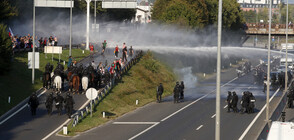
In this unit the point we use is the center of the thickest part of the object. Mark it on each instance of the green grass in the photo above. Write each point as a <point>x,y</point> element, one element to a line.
<point>139,83</point>
<point>17,83</point>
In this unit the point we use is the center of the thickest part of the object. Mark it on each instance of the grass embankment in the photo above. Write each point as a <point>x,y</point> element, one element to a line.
<point>17,83</point>
<point>139,83</point>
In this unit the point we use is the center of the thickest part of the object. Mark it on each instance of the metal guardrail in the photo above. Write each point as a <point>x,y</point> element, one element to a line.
<point>80,114</point>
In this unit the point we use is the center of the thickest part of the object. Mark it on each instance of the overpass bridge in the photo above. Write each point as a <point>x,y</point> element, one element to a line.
<point>263,29</point>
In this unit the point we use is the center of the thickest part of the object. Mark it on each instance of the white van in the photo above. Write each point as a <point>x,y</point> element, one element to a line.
<point>283,62</point>
<point>281,131</point>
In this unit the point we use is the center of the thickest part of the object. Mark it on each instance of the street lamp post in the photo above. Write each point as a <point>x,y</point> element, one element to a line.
<point>95,16</point>
<point>88,22</point>
<point>70,26</point>
<point>286,67</point>
<point>219,33</point>
<point>268,62</point>
<point>33,55</point>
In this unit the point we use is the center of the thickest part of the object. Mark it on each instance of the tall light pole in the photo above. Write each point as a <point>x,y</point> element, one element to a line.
<point>33,55</point>
<point>88,22</point>
<point>286,67</point>
<point>70,26</point>
<point>217,106</point>
<point>268,61</point>
<point>95,15</point>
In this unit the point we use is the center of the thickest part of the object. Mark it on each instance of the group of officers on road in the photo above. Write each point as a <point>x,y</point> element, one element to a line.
<point>59,100</point>
<point>247,102</point>
<point>178,92</point>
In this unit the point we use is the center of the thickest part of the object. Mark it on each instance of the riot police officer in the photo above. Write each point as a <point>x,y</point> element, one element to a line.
<point>235,102</point>
<point>69,102</point>
<point>182,87</point>
<point>59,103</point>
<point>49,103</point>
<point>159,92</point>
<point>251,104</point>
<point>176,92</point>
<point>34,103</point>
<point>229,100</point>
<point>290,96</point>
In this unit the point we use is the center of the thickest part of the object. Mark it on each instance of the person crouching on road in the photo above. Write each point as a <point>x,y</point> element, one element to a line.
<point>49,103</point>
<point>59,103</point>
<point>176,93</point>
<point>159,92</point>
<point>34,103</point>
<point>229,101</point>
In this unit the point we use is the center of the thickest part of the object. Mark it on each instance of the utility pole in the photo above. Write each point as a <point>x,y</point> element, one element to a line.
<point>33,55</point>
<point>219,33</point>
<point>268,62</point>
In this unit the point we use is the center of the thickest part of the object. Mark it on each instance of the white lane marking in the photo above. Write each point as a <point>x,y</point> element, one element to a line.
<point>58,128</point>
<point>226,106</point>
<point>19,109</point>
<point>135,122</point>
<point>213,116</point>
<point>143,131</point>
<point>257,116</point>
<point>249,87</point>
<point>183,108</point>
<point>199,127</point>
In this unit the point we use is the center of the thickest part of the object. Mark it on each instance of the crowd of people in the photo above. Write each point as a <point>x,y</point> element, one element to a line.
<point>21,42</point>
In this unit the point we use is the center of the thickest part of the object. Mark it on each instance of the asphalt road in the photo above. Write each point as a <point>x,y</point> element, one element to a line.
<point>194,118</point>
<point>24,126</point>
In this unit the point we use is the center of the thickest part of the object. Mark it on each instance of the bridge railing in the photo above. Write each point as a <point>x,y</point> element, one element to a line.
<point>82,113</point>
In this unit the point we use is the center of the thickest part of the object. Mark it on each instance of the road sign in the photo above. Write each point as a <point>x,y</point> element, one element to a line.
<point>53,49</point>
<point>54,3</point>
<point>30,54</point>
<point>91,93</point>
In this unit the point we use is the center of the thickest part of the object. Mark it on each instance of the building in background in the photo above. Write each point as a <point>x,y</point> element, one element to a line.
<point>143,12</point>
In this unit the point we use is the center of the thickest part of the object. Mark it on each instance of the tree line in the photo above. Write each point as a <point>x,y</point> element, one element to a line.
<point>198,14</point>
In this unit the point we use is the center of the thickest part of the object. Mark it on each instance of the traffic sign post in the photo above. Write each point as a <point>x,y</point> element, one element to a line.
<point>91,94</point>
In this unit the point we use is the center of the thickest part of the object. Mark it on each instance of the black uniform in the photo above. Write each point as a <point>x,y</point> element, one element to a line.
<point>176,93</point>
<point>244,102</point>
<point>182,87</point>
<point>235,102</point>
<point>159,92</point>
<point>34,103</point>
<point>251,103</point>
<point>229,101</point>
<point>290,98</point>
<point>59,103</point>
<point>69,102</point>
<point>49,103</point>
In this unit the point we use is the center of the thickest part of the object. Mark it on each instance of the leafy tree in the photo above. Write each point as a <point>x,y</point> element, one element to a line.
<point>6,10</point>
<point>197,13</point>
<point>5,49</point>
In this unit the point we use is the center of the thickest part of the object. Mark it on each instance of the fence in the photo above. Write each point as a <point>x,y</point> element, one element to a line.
<point>80,114</point>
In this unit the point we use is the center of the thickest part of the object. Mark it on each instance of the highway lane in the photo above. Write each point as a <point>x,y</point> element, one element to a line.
<point>23,125</point>
<point>195,121</point>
